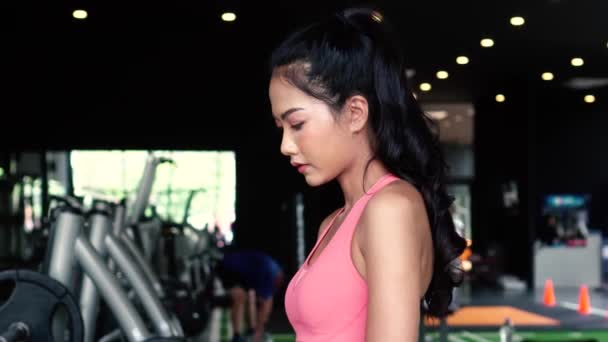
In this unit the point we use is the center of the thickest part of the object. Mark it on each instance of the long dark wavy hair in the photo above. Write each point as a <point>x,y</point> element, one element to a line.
<point>354,52</point>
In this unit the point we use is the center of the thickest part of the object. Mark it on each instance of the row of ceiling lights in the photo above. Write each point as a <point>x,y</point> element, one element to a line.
<point>82,14</point>
<point>500,98</point>
<point>486,42</point>
<point>489,42</point>
<point>441,74</point>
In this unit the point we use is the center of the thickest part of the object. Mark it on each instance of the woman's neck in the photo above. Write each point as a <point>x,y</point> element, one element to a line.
<point>356,181</point>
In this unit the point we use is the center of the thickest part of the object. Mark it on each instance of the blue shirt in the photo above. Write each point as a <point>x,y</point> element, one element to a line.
<point>256,269</point>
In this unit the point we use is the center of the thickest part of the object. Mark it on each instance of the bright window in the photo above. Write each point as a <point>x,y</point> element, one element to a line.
<point>116,174</point>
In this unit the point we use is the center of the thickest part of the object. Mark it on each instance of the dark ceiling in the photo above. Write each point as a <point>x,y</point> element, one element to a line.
<point>143,68</point>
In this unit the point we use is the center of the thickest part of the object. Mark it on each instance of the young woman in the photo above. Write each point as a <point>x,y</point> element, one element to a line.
<point>339,94</point>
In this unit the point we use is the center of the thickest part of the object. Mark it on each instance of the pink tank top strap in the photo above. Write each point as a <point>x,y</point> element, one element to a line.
<point>322,237</point>
<point>353,217</point>
<point>355,214</point>
<point>380,183</point>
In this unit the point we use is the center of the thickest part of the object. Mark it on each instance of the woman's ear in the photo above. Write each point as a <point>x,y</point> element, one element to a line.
<point>357,111</point>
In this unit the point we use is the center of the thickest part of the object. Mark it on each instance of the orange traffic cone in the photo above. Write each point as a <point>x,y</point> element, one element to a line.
<point>549,295</point>
<point>584,303</point>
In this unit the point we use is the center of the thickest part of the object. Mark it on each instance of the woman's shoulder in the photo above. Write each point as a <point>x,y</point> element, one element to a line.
<point>397,199</point>
<point>397,211</point>
<point>398,193</point>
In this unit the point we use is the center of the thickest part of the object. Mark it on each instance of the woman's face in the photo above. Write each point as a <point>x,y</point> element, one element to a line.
<point>318,144</point>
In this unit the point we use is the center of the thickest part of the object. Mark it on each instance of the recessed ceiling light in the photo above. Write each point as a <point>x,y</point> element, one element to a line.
<point>462,60</point>
<point>547,76</point>
<point>589,98</point>
<point>487,42</point>
<point>500,98</point>
<point>425,87</point>
<point>377,16</point>
<point>517,21</point>
<point>228,16</point>
<point>577,61</point>
<point>80,14</point>
<point>442,75</point>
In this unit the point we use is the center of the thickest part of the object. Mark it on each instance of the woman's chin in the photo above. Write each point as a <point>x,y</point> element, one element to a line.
<point>314,180</point>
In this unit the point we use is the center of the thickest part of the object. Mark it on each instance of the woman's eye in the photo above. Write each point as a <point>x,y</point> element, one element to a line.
<point>297,127</point>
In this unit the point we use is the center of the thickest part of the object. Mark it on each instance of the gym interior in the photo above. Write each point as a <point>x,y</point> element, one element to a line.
<point>138,147</point>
